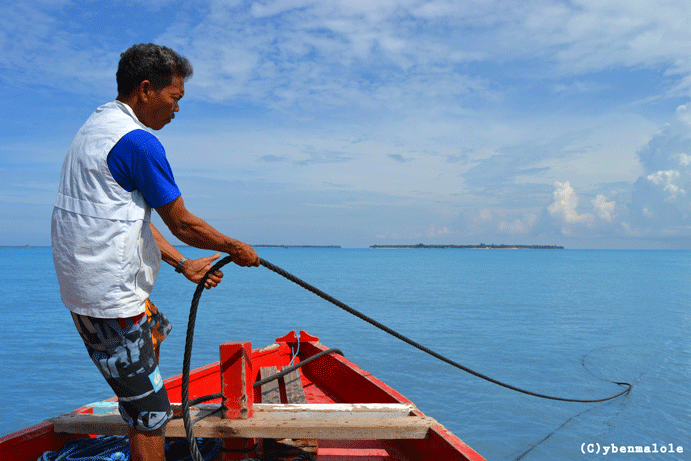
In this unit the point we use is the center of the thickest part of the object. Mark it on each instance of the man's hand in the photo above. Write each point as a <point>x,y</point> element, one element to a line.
<point>243,254</point>
<point>194,270</point>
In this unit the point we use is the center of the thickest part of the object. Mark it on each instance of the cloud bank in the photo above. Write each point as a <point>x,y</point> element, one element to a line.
<point>356,123</point>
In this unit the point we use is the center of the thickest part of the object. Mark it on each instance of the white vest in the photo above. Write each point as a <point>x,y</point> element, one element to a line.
<point>105,254</point>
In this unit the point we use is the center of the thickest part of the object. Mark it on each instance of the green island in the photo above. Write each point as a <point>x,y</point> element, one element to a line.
<point>481,246</point>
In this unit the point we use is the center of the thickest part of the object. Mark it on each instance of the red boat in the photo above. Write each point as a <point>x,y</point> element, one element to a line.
<point>329,410</point>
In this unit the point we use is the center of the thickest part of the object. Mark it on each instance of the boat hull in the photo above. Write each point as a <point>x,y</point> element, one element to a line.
<point>331,379</point>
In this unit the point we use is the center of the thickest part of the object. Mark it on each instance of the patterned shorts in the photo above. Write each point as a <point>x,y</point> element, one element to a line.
<point>123,350</point>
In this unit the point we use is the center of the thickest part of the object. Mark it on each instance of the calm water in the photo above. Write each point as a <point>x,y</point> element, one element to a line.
<point>560,322</point>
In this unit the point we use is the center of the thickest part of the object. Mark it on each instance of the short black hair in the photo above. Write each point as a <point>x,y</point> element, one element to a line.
<point>154,63</point>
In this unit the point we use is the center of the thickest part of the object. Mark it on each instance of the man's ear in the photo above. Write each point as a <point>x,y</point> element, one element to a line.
<point>143,90</point>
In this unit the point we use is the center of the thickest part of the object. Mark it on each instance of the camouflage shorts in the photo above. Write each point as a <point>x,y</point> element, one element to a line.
<point>123,350</point>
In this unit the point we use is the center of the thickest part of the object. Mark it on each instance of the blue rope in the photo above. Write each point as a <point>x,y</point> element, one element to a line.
<point>101,448</point>
<point>295,352</point>
<point>116,448</point>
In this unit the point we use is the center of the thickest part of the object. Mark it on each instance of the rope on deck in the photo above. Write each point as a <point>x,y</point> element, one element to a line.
<point>116,448</point>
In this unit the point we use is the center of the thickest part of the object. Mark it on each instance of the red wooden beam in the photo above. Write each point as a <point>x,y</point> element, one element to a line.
<point>236,379</point>
<point>238,394</point>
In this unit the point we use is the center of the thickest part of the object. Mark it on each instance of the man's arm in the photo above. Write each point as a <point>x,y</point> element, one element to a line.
<point>192,269</point>
<point>198,233</point>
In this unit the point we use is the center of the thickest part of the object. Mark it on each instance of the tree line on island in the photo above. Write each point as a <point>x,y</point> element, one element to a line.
<point>296,246</point>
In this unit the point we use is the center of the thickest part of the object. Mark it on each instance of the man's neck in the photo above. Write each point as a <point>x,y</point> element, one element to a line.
<point>133,103</point>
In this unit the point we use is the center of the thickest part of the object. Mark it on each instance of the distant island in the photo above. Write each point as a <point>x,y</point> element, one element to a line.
<point>481,246</point>
<point>296,246</point>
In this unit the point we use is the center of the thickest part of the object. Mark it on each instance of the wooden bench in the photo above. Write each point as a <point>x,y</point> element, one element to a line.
<point>272,419</point>
<point>305,421</point>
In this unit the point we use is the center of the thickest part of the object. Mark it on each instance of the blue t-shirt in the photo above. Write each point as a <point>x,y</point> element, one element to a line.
<point>138,161</point>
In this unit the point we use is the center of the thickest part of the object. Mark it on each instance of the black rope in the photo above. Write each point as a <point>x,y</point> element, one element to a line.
<point>419,346</point>
<point>527,451</point>
<point>194,450</point>
<point>206,415</point>
<point>302,363</point>
<point>268,379</point>
<point>187,358</point>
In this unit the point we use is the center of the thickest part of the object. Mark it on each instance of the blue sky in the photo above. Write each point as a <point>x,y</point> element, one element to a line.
<point>355,123</point>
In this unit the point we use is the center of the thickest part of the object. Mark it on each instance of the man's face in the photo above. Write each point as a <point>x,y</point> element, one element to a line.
<point>161,106</point>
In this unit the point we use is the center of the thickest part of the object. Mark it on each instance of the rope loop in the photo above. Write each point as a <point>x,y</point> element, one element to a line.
<point>424,349</point>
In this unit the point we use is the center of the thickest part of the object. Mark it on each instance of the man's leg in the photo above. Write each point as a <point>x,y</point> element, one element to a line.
<point>150,445</point>
<point>146,446</point>
<point>123,351</point>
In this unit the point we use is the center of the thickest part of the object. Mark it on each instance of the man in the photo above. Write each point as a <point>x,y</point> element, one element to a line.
<point>106,251</point>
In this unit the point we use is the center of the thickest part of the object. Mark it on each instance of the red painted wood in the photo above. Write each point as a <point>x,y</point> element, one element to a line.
<point>289,338</point>
<point>205,380</point>
<point>237,379</point>
<point>307,338</point>
<point>441,444</point>
<point>31,443</point>
<point>345,381</point>
<point>237,390</point>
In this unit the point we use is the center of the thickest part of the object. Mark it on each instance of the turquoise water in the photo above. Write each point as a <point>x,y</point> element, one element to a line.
<point>559,322</point>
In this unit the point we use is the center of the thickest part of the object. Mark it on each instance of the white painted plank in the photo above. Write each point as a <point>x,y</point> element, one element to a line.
<point>264,425</point>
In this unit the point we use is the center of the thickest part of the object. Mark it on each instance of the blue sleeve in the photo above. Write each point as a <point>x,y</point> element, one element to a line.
<point>138,161</point>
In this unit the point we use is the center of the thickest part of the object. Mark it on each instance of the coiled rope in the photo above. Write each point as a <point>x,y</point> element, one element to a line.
<point>190,334</point>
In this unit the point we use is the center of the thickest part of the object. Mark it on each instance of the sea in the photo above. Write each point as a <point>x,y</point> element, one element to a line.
<point>566,323</point>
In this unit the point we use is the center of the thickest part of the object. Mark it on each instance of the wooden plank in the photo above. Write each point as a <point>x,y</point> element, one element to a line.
<point>372,410</point>
<point>294,390</point>
<point>264,425</point>
<point>363,428</point>
<point>298,410</point>
<point>270,391</point>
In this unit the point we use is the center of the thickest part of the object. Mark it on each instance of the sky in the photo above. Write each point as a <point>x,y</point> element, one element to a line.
<point>385,122</point>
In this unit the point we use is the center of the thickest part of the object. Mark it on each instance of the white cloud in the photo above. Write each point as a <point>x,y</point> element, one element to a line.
<point>629,231</point>
<point>519,226</point>
<point>667,180</point>
<point>295,49</point>
<point>305,54</point>
<point>663,177</point>
<point>604,208</point>
<point>565,204</point>
<point>437,108</point>
<point>659,202</point>
<point>434,232</point>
